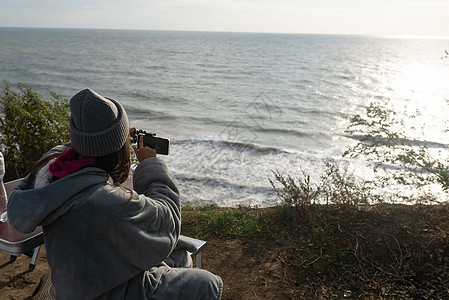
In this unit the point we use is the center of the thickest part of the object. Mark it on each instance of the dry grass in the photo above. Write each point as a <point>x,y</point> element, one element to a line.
<point>370,252</point>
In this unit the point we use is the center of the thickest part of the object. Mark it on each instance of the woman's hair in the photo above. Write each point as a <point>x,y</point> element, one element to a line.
<point>116,164</point>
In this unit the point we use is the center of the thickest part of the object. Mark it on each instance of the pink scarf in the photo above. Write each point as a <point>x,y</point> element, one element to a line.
<point>66,163</point>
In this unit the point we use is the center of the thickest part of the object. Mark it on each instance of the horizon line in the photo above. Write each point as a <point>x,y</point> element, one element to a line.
<point>399,36</point>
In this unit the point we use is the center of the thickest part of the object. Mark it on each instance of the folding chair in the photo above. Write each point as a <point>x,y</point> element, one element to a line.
<point>14,242</point>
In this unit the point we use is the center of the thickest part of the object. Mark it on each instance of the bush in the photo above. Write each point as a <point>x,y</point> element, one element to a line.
<point>413,166</point>
<point>384,138</point>
<point>297,192</point>
<point>29,127</point>
<point>337,186</point>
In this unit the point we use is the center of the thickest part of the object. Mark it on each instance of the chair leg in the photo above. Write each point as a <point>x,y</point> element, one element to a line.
<point>34,257</point>
<point>198,260</point>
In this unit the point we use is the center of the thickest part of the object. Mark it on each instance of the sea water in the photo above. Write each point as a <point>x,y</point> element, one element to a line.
<point>237,106</point>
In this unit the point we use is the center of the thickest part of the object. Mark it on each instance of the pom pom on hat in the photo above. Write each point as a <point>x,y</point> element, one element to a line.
<point>98,125</point>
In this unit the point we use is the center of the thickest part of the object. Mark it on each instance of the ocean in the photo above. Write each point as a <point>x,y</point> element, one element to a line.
<point>238,106</point>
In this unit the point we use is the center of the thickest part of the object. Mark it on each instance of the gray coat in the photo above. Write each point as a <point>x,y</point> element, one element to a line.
<point>106,242</point>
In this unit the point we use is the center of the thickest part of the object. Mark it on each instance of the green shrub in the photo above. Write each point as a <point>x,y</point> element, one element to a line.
<point>298,192</point>
<point>384,138</point>
<point>337,186</point>
<point>29,127</point>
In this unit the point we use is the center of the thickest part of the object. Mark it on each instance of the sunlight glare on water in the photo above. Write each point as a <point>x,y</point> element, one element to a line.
<point>420,84</point>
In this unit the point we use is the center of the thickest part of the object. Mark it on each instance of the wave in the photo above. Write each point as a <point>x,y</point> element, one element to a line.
<point>233,145</point>
<point>138,113</point>
<point>296,133</point>
<point>222,182</point>
<point>400,141</point>
<point>285,131</point>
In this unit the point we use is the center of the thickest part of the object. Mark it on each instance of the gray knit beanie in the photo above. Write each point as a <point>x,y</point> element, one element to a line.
<point>98,125</point>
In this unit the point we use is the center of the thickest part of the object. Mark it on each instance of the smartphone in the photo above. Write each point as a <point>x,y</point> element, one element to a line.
<point>160,144</point>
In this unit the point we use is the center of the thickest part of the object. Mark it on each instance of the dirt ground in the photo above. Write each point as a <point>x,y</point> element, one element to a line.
<point>16,281</point>
<point>247,272</point>
<point>250,269</point>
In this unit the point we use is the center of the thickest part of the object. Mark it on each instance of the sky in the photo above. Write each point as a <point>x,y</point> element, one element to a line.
<point>380,17</point>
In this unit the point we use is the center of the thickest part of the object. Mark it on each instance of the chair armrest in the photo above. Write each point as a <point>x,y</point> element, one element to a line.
<point>200,244</point>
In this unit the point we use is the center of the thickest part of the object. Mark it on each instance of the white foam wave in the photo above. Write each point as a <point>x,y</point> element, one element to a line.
<point>218,172</point>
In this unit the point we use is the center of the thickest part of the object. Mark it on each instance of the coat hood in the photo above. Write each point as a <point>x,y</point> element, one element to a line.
<point>29,208</point>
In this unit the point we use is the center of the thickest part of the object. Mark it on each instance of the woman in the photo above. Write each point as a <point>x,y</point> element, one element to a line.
<point>102,240</point>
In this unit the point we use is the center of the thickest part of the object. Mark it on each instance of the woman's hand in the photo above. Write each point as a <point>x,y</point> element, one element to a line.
<point>142,152</point>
